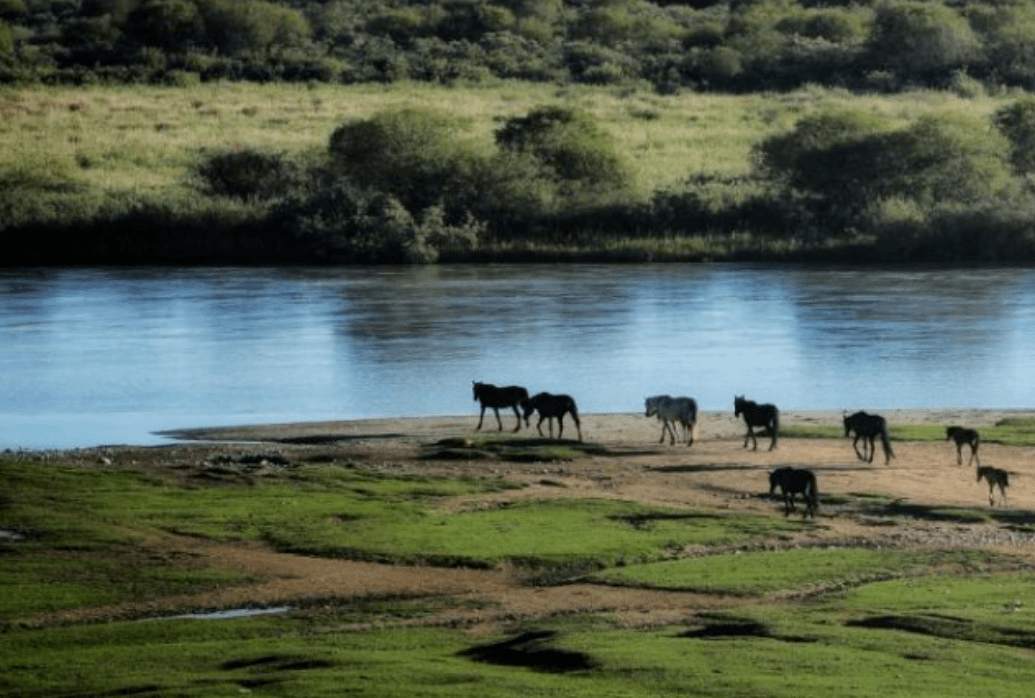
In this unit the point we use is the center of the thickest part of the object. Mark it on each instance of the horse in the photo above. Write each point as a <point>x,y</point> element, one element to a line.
<point>491,396</point>
<point>994,476</point>
<point>792,481</point>
<point>868,427</point>
<point>674,409</point>
<point>962,435</point>
<point>766,416</point>
<point>550,406</point>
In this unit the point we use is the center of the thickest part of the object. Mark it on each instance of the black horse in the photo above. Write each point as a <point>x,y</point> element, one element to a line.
<point>550,406</point>
<point>491,396</point>
<point>994,476</point>
<point>766,416</point>
<point>792,481</point>
<point>962,435</point>
<point>868,427</point>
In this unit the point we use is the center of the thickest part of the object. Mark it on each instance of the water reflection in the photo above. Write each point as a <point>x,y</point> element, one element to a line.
<point>92,356</point>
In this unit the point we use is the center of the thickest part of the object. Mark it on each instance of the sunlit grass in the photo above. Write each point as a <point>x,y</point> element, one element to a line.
<point>148,138</point>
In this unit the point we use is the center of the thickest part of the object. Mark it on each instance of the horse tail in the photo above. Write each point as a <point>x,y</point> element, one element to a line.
<point>813,492</point>
<point>776,422</point>
<point>1006,478</point>
<point>886,442</point>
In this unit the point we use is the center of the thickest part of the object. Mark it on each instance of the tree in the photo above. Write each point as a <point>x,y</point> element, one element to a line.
<point>1017,122</point>
<point>415,155</point>
<point>921,41</point>
<point>846,163</point>
<point>569,147</point>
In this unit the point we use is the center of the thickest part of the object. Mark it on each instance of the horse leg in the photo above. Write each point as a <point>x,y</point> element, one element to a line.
<point>959,453</point>
<point>578,425</point>
<point>560,426</point>
<point>539,426</point>
<point>772,433</point>
<point>480,419</point>
<point>516,414</point>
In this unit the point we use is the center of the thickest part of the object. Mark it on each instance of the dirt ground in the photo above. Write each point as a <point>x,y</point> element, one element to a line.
<point>715,473</point>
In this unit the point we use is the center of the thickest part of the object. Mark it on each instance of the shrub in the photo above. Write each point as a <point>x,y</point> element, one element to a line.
<point>414,155</point>
<point>846,162</point>
<point>571,149</point>
<point>920,41</point>
<point>343,223</point>
<point>248,174</point>
<point>1017,122</point>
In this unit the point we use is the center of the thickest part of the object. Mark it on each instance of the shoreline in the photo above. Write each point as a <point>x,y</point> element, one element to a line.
<point>605,425</point>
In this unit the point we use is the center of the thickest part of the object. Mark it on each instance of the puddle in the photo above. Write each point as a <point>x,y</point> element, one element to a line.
<point>230,613</point>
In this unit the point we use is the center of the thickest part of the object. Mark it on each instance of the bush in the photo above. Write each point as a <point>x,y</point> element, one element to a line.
<point>1017,122</point>
<point>416,156</point>
<point>569,147</point>
<point>248,174</point>
<point>343,223</point>
<point>920,42</point>
<point>844,163</point>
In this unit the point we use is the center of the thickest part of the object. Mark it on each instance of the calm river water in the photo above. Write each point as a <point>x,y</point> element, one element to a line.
<point>103,356</point>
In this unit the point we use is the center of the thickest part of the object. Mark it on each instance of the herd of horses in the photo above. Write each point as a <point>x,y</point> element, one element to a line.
<point>681,412</point>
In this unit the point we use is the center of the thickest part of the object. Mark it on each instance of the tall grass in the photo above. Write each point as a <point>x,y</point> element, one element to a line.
<point>149,138</point>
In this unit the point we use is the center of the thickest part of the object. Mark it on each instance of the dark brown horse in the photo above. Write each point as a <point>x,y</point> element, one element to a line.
<point>549,406</point>
<point>868,427</point>
<point>792,481</point>
<point>963,436</point>
<point>491,396</point>
<point>766,416</point>
<point>995,477</point>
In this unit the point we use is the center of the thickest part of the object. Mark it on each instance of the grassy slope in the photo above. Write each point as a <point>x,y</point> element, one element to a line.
<point>147,138</point>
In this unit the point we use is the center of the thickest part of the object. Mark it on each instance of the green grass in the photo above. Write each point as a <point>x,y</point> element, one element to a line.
<point>143,138</point>
<point>1013,431</point>
<point>781,571</point>
<point>840,622</point>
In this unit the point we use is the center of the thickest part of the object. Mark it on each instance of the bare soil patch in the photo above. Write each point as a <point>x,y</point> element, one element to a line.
<point>715,473</point>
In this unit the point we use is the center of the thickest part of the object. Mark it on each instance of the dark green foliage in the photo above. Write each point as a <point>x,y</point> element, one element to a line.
<point>248,174</point>
<point>845,164</point>
<point>413,155</point>
<point>1017,123</point>
<point>742,45</point>
<point>571,149</point>
<point>920,41</point>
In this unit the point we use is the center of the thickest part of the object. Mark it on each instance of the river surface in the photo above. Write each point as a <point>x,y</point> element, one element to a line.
<point>110,356</point>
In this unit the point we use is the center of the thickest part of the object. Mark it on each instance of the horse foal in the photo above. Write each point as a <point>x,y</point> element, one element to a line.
<point>792,481</point>
<point>963,436</point>
<point>994,476</point>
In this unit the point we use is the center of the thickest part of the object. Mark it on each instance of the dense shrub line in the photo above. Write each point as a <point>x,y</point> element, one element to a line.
<point>698,44</point>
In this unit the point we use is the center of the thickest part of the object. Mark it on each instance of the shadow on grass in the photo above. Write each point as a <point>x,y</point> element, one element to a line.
<point>531,649</point>
<point>722,628</point>
<point>539,450</point>
<point>949,628</point>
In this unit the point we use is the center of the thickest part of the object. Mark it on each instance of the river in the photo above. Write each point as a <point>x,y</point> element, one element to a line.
<point>113,355</point>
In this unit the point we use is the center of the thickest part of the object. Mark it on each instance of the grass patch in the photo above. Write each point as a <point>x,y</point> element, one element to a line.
<point>756,573</point>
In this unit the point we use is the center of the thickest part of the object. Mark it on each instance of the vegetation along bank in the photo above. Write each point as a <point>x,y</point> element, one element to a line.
<point>206,131</point>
